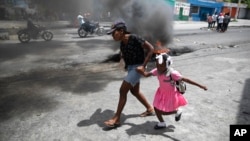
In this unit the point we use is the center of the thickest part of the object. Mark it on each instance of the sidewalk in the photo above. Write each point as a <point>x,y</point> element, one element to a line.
<point>185,25</point>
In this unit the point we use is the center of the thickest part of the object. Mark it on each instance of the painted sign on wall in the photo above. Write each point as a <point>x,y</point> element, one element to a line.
<point>182,5</point>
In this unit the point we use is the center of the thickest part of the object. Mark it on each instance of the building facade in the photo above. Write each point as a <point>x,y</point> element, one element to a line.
<point>201,8</point>
<point>231,9</point>
<point>196,10</point>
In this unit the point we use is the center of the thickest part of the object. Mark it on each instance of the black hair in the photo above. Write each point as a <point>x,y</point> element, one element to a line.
<point>165,58</point>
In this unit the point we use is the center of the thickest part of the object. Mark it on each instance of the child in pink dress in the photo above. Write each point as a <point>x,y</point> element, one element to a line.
<point>167,98</point>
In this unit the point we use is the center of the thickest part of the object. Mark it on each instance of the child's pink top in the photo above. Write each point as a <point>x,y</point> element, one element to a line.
<point>167,98</point>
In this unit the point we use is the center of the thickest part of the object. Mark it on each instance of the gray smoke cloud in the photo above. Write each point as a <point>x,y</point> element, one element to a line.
<point>151,19</point>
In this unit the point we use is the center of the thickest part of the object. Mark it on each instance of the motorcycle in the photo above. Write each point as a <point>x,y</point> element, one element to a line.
<point>90,28</point>
<point>24,35</point>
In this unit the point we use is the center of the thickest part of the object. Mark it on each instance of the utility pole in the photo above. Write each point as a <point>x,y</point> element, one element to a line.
<point>237,11</point>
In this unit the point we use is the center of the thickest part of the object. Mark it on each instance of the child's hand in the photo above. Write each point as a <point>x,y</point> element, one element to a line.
<point>140,69</point>
<point>204,87</point>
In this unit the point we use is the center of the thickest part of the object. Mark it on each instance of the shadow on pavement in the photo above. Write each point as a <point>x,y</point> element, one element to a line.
<point>148,128</point>
<point>244,107</point>
<point>99,116</point>
<point>96,118</point>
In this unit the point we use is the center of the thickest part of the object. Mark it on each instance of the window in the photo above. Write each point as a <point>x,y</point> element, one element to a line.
<point>194,9</point>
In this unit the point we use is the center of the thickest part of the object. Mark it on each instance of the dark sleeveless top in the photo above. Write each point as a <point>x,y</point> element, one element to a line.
<point>133,52</point>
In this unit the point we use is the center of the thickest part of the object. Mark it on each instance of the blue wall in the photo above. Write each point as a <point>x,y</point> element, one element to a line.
<point>205,7</point>
<point>206,3</point>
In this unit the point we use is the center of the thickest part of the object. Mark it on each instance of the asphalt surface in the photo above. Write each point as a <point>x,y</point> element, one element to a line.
<point>71,103</point>
<point>13,26</point>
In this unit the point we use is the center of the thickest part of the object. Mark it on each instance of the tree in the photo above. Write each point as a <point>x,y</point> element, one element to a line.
<point>231,1</point>
<point>247,2</point>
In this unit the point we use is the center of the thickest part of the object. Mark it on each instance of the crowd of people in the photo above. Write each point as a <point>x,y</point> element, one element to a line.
<point>222,20</point>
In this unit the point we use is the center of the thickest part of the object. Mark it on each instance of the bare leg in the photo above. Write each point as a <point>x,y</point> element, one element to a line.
<point>160,113</point>
<point>136,92</point>
<point>122,101</point>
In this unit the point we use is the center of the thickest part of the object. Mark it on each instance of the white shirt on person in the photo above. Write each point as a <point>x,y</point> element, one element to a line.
<point>221,19</point>
<point>214,17</point>
<point>80,19</point>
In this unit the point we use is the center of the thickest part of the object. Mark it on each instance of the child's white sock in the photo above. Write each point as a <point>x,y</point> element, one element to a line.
<point>161,124</point>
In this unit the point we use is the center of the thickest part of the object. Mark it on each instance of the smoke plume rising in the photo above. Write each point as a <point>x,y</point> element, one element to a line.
<point>151,19</point>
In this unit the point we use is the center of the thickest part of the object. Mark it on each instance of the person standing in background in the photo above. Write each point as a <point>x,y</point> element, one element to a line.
<point>214,16</point>
<point>209,21</point>
<point>226,21</point>
<point>220,23</point>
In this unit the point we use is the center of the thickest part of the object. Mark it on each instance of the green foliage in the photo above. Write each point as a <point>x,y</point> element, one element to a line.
<point>247,2</point>
<point>231,1</point>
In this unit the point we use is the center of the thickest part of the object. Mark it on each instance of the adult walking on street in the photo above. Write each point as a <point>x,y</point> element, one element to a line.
<point>132,51</point>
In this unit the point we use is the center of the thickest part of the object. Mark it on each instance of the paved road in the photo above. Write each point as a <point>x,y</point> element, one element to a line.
<point>71,103</point>
<point>60,24</point>
<point>67,100</point>
<point>178,25</point>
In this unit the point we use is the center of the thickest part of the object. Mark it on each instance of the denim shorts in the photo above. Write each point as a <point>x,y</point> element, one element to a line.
<point>133,77</point>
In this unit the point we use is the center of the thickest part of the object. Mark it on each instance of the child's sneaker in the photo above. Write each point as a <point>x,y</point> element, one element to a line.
<point>160,125</point>
<point>178,115</point>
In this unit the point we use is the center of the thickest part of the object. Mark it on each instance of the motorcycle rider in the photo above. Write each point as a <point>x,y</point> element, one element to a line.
<point>80,19</point>
<point>84,21</point>
<point>89,24</point>
<point>32,28</point>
